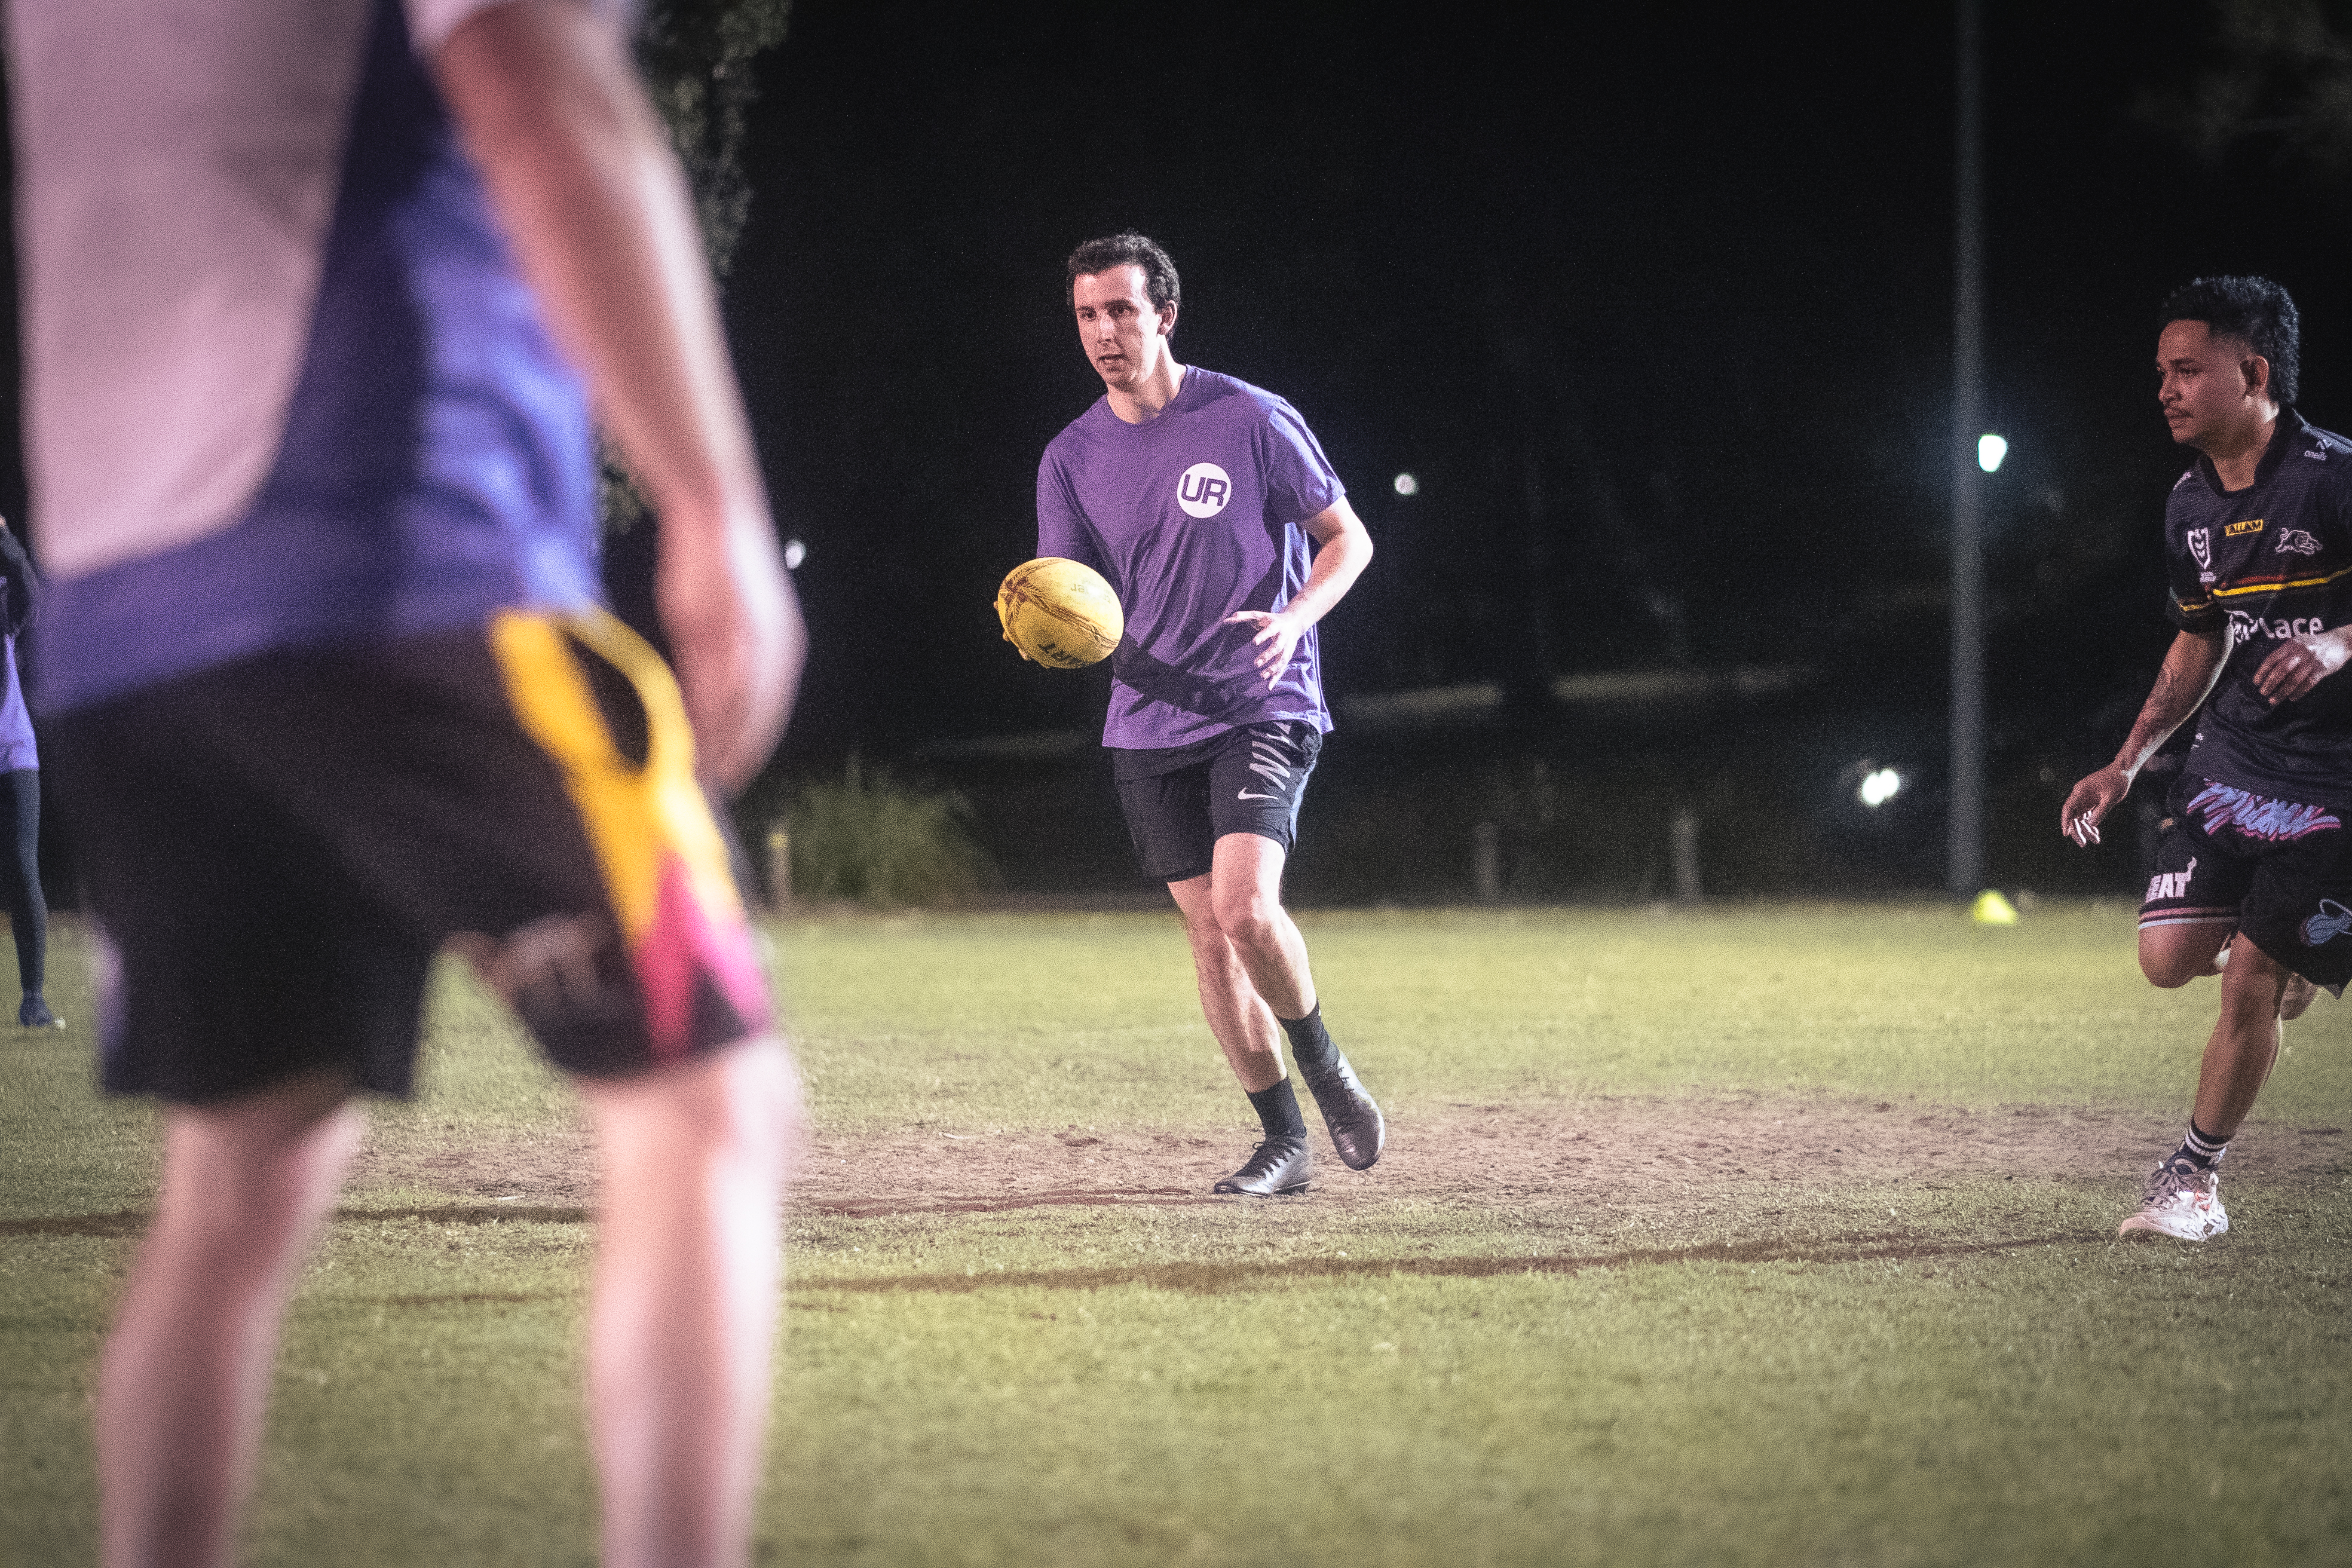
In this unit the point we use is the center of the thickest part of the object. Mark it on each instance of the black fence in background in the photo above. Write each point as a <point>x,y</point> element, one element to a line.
<point>1718,792</point>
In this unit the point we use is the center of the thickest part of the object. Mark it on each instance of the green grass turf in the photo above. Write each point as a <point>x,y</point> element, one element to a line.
<point>1884,1373</point>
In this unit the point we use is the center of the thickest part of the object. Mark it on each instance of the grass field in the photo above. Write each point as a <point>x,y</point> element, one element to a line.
<point>1761,1236</point>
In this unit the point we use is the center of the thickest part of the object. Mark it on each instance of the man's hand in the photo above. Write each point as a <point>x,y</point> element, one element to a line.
<point>2091,800</point>
<point>735,630</point>
<point>2299,664</point>
<point>1276,640</point>
<point>1007,628</point>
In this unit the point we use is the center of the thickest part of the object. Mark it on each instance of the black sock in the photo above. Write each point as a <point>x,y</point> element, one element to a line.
<point>2201,1148</point>
<point>1310,1042</point>
<point>1277,1108</point>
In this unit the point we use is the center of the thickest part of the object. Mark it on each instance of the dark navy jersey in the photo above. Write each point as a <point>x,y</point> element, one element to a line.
<point>2263,564</point>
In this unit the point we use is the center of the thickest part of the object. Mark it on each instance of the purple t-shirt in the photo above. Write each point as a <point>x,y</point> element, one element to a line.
<point>1192,516</point>
<point>17,750</point>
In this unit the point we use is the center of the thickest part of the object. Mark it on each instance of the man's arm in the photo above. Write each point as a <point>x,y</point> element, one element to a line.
<point>2190,666</point>
<point>23,585</point>
<point>1343,548</point>
<point>597,210</point>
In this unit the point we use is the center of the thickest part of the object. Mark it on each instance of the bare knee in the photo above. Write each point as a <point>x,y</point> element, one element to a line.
<point>2254,984</point>
<point>1249,919</point>
<point>2172,956</point>
<point>742,1103</point>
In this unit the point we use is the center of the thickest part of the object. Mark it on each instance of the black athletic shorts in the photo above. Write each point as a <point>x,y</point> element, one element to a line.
<point>275,849</point>
<point>2278,871</point>
<point>1178,803</point>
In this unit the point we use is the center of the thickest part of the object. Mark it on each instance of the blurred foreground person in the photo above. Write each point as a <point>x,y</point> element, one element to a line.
<point>20,813</point>
<point>2254,869</point>
<point>1196,497</point>
<point>318,295</point>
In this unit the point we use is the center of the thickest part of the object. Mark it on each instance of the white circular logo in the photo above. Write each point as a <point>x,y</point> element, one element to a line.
<point>1203,490</point>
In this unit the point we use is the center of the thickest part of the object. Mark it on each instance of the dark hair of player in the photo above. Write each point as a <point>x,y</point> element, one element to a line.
<point>1129,249</point>
<point>2255,310</point>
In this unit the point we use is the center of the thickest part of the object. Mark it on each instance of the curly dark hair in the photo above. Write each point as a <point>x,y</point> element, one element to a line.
<point>2255,310</point>
<point>1128,249</point>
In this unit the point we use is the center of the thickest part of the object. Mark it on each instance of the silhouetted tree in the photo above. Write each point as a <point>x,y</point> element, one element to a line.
<point>698,56</point>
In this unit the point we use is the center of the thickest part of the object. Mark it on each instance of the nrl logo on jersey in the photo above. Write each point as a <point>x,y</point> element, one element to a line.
<point>2200,545</point>
<point>2295,541</point>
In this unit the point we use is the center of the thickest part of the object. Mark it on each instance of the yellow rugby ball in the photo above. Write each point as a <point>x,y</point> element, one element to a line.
<point>1059,612</point>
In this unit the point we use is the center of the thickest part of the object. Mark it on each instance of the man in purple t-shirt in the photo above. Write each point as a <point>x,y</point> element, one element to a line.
<point>1196,494</point>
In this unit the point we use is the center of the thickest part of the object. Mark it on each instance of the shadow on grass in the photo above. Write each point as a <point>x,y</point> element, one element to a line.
<point>1090,1197</point>
<point>1213,1278</point>
<point>133,1222</point>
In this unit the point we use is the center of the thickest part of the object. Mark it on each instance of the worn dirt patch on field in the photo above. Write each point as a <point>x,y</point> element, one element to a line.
<point>555,1165</point>
<point>1633,1153</point>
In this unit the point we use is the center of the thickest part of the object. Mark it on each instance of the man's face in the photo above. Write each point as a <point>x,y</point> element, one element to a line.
<point>1123,332</point>
<point>2210,389</point>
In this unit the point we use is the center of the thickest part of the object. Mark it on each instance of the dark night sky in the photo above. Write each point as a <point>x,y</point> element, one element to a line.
<point>1655,301</point>
<point>1682,272</point>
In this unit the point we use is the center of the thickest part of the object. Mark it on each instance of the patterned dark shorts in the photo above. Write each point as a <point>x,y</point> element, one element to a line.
<point>2277,871</point>
<point>275,849</point>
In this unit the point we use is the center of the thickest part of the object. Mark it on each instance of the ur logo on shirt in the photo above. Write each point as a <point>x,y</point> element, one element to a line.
<point>1203,490</point>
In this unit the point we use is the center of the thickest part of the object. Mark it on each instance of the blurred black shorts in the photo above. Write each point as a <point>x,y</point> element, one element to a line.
<point>2279,871</point>
<point>1248,780</point>
<point>275,849</point>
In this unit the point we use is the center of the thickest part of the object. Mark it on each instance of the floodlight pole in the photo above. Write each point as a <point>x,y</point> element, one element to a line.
<point>1966,823</point>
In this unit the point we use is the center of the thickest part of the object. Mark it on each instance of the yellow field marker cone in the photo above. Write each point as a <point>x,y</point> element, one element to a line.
<point>1991,909</point>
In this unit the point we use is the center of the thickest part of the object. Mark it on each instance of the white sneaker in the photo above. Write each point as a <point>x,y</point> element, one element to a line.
<point>2180,1200</point>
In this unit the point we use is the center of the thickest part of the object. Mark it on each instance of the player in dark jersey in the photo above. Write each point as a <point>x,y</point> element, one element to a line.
<point>1196,494</point>
<point>2254,872</point>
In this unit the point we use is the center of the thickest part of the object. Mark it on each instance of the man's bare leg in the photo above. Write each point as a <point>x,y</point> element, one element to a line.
<point>1238,1017</point>
<point>1246,888</point>
<point>2245,1040</point>
<point>2182,1196</point>
<point>2173,955</point>
<point>689,1252</point>
<point>183,1383</point>
<point>1255,978</point>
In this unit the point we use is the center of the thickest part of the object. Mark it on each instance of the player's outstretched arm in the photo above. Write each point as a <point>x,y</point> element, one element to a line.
<point>596,208</point>
<point>1343,548</point>
<point>2191,668</point>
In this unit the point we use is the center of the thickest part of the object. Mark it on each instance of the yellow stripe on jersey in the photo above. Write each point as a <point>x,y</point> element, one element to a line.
<point>636,817</point>
<point>2274,585</point>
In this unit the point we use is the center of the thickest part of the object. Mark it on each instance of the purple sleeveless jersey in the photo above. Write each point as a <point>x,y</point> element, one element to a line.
<point>285,384</point>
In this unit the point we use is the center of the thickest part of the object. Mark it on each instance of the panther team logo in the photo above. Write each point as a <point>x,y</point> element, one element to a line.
<point>2200,545</point>
<point>1203,490</point>
<point>2295,541</point>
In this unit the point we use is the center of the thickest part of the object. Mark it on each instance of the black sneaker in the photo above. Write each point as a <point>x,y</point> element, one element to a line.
<point>1358,1129</point>
<point>1279,1165</point>
<point>34,1013</point>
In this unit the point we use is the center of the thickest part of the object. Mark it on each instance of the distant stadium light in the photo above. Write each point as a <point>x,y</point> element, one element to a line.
<point>794,554</point>
<point>1406,485</point>
<point>1878,788</point>
<point>1991,450</point>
